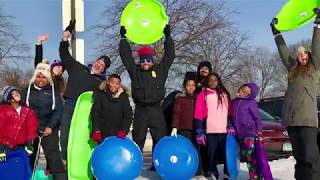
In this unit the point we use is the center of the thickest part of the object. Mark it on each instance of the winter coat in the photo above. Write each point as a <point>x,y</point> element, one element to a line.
<point>80,78</point>
<point>110,114</point>
<point>208,112</point>
<point>300,104</point>
<point>245,114</point>
<point>17,129</point>
<point>40,101</point>
<point>145,88</point>
<point>59,82</point>
<point>183,112</point>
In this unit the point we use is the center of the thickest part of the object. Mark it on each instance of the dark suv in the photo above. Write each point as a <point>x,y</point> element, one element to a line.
<point>273,106</point>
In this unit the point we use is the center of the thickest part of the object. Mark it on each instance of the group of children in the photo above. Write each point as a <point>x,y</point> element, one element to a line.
<point>204,118</point>
<point>201,113</point>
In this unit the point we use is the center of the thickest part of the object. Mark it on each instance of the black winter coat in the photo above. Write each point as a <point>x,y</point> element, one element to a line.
<point>40,101</point>
<point>110,114</point>
<point>145,88</point>
<point>80,79</point>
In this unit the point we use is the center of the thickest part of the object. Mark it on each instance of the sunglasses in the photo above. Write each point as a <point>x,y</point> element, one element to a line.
<point>148,59</point>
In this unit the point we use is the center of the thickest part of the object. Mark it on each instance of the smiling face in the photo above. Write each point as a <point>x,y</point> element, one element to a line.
<point>303,58</point>
<point>190,87</point>
<point>98,67</point>
<point>41,80</point>
<point>204,71</point>
<point>16,96</point>
<point>114,84</point>
<point>213,82</point>
<point>57,71</point>
<point>146,64</point>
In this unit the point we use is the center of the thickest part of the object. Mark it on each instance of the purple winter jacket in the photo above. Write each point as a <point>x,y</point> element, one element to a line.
<point>245,114</point>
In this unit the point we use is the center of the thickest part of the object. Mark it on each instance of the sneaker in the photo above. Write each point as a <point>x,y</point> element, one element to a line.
<point>226,177</point>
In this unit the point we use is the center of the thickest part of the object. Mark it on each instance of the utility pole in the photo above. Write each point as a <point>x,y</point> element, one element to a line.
<point>74,9</point>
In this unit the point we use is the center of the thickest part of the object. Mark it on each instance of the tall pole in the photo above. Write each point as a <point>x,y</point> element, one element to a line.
<point>73,38</point>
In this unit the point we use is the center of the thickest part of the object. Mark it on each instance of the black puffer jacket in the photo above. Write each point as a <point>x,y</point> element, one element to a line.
<point>40,101</point>
<point>80,79</point>
<point>147,89</point>
<point>110,114</point>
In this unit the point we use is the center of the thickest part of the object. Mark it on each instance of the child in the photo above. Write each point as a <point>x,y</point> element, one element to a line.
<point>211,116</point>
<point>148,86</point>
<point>247,124</point>
<point>57,67</point>
<point>184,109</point>
<point>18,123</point>
<point>111,110</point>
<point>46,103</point>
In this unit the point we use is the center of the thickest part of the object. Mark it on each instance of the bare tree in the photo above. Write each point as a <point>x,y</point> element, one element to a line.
<point>15,77</point>
<point>12,48</point>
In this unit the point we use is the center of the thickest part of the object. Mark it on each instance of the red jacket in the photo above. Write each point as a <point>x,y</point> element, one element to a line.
<point>183,112</point>
<point>17,129</point>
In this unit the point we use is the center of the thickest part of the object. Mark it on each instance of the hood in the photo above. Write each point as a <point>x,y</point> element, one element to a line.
<point>254,90</point>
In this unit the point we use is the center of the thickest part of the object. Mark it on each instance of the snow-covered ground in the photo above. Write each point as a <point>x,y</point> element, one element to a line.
<point>282,169</point>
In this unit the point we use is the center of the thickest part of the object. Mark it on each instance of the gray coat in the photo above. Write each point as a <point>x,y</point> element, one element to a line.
<point>300,104</point>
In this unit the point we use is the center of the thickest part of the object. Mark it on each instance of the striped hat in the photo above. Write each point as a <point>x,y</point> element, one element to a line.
<point>6,93</point>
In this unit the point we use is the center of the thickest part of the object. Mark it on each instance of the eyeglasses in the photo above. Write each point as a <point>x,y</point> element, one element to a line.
<point>148,59</point>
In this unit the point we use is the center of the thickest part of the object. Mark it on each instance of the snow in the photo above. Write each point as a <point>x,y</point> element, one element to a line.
<point>282,169</point>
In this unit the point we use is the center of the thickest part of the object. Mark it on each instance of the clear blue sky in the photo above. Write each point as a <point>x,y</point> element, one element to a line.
<point>35,17</point>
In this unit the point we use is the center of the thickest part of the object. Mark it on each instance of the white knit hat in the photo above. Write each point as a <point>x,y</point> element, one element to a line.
<point>44,69</point>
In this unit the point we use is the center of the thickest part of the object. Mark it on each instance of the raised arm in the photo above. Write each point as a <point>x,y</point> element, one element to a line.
<point>68,61</point>
<point>316,40</point>
<point>39,51</point>
<point>287,60</point>
<point>126,53</point>
<point>169,52</point>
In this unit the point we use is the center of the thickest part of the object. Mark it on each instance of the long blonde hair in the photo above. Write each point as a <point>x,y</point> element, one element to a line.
<point>306,71</point>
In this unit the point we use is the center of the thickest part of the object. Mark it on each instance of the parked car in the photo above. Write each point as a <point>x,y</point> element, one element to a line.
<point>275,137</point>
<point>274,107</point>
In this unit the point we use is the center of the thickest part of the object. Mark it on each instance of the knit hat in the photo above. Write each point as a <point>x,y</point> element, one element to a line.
<point>57,62</point>
<point>7,93</point>
<point>44,69</point>
<point>106,61</point>
<point>145,53</point>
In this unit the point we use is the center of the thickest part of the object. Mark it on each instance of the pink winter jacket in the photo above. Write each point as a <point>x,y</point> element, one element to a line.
<point>207,110</point>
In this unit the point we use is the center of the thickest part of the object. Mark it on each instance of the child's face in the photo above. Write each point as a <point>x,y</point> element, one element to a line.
<point>244,91</point>
<point>213,82</point>
<point>57,71</point>
<point>114,85</point>
<point>16,96</point>
<point>190,87</point>
<point>204,71</point>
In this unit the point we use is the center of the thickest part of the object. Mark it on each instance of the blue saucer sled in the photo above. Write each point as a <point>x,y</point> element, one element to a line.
<point>175,158</point>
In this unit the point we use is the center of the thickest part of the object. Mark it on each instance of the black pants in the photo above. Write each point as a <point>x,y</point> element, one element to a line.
<point>305,151</point>
<point>190,134</point>
<point>149,116</point>
<point>216,144</point>
<point>65,127</point>
<point>52,154</point>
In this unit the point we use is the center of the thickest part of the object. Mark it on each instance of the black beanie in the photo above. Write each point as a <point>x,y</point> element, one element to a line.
<point>106,61</point>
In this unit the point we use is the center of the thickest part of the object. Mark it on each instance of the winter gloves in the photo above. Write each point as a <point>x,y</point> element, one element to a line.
<point>123,32</point>
<point>71,26</point>
<point>121,134</point>
<point>96,136</point>
<point>273,28</point>
<point>174,132</point>
<point>200,137</point>
<point>317,12</point>
<point>29,147</point>
<point>167,31</point>
<point>2,153</point>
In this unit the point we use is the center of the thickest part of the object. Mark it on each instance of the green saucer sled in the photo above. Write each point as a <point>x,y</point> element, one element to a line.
<point>144,21</point>
<point>296,13</point>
